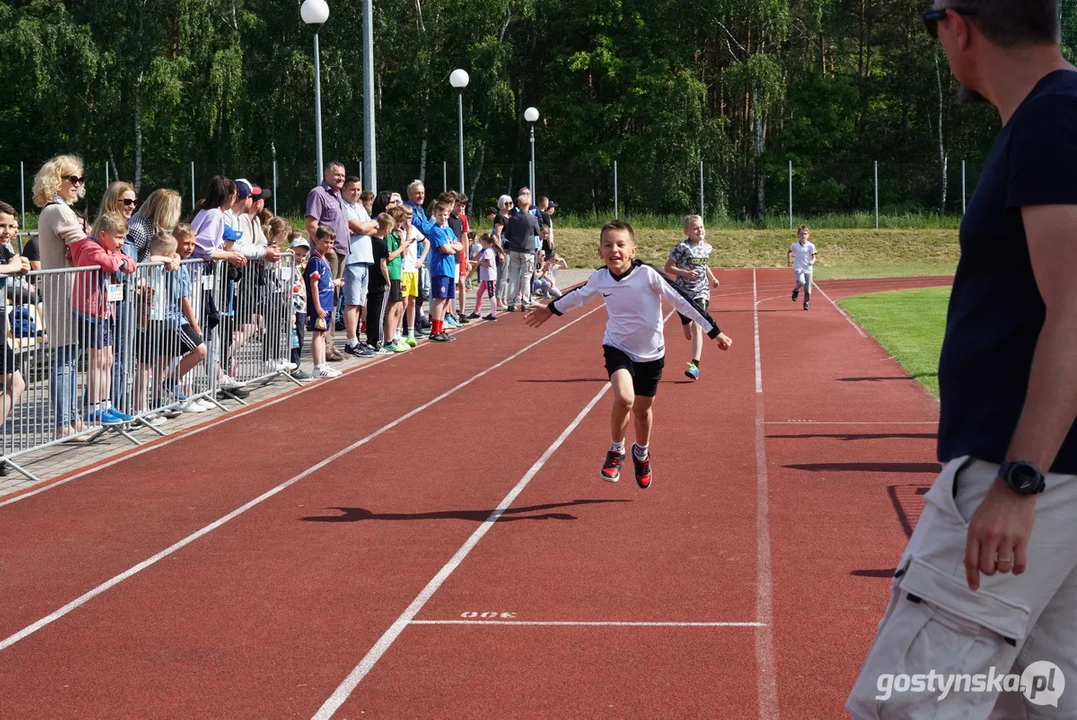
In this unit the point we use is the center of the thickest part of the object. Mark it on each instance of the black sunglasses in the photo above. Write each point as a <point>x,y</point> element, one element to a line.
<point>74,179</point>
<point>932,18</point>
<point>129,202</point>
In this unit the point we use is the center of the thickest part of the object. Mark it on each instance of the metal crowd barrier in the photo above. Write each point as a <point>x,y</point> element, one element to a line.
<point>88,353</point>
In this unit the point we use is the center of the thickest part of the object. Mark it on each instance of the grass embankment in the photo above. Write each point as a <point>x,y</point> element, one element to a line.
<point>842,253</point>
<point>909,324</point>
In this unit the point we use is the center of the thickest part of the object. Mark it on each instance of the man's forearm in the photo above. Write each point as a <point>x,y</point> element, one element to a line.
<point>1051,400</point>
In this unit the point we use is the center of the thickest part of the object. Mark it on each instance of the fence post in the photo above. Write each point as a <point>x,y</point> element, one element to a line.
<point>962,188</point>
<point>444,175</point>
<point>194,202</point>
<point>106,175</point>
<point>701,212</point>
<point>22,191</point>
<point>616,209</point>
<point>876,194</point>
<point>790,194</point>
<point>275,182</point>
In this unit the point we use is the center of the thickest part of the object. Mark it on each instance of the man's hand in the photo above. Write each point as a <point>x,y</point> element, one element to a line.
<point>724,341</point>
<point>998,534</point>
<point>322,313</point>
<point>237,259</point>
<point>272,253</point>
<point>538,315</point>
<point>24,264</point>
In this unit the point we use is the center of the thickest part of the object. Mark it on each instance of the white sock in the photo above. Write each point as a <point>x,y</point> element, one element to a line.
<point>641,451</point>
<point>352,342</point>
<point>617,446</point>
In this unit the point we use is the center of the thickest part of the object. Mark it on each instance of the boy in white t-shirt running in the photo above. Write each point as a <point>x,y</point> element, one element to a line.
<point>803,254</point>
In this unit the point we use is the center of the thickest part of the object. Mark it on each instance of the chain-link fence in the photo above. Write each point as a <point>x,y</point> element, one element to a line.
<point>726,191</point>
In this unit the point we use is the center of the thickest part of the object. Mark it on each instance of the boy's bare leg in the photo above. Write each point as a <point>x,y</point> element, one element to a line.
<point>317,348</point>
<point>697,341</point>
<point>14,386</point>
<point>641,415</point>
<point>623,399</point>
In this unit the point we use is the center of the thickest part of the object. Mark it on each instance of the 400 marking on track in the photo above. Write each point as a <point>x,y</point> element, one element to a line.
<point>489,615</point>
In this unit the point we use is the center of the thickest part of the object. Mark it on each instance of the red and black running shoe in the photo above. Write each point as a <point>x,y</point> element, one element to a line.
<point>643,469</point>
<point>611,470</point>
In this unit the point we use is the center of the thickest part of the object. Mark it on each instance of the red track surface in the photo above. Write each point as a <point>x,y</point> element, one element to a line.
<point>267,614</point>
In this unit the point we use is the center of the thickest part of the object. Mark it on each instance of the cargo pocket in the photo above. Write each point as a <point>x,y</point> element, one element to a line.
<point>939,625</point>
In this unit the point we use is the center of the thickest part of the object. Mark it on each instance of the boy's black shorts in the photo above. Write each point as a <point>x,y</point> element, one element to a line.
<point>645,375</point>
<point>704,303</point>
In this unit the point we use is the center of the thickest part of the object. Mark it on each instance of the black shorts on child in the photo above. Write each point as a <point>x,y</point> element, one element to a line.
<point>645,375</point>
<point>704,303</point>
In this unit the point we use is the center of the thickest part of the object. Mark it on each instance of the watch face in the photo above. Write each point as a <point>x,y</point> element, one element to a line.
<point>1024,477</point>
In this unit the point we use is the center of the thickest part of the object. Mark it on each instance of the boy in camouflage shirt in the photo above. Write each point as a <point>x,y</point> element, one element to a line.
<point>689,266</point>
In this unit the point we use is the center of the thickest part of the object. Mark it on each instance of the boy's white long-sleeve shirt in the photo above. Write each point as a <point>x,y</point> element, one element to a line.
<point>634,305</point>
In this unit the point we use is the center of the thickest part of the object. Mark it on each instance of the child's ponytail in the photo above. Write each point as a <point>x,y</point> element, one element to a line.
<point>496,244</point>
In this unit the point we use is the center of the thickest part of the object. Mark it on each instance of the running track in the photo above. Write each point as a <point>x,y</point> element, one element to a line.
<point>334,554</point>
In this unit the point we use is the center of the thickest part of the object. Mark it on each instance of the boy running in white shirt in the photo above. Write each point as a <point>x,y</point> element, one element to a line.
<point>633,344</point>
<point>804,254</point>
<point>689,265</point>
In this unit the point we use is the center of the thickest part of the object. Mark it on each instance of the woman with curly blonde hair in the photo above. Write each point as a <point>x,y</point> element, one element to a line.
<point>57,186</point>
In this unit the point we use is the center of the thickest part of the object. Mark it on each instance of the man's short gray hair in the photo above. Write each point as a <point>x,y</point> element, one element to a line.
<point>415,184</point>
<point>332,164</point>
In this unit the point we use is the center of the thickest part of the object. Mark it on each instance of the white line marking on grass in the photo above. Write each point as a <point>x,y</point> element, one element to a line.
<point>570,623</point>
<point>243,412</point>
<point>83,599</point>
<point>767,682</point>
<point>845,315</point>
<point>341,694</point>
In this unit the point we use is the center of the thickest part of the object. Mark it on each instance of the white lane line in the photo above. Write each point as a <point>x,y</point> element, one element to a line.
<point>269,402</point>
<point>844,422</point>
<point>755,320</point>
<point>83,599</point>
<point>767,681</point>
<point>859,330</point>
<point>341,694</point>
<point>570,623</point>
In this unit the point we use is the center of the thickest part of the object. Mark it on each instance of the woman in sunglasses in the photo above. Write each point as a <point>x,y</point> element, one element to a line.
<point>57,186</point>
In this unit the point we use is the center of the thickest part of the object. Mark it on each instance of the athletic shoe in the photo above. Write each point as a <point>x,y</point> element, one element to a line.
<point>490,317</point>
<point>440,337</point>
<point>692,371</point>
<point>611,471</point>
<point>232,394</point>
<point>117,416</point>
<point>383,350</point>
<point>227,382</point>
<point>395,348</point>
<point>280,366</point>
<point>512,308</point>
<point>326,372</point>
<point>806,306</point>
<point>451,321</point>
<point>474,316</point>
<point>357,351</point>
<point>796,294</point>
<point>205,404</point>
<point>302,376</point>
<point>410,341</point>
<point>193,407</point>
<point>461,320</point>
<point>101,417</point>
<point>643,468</point>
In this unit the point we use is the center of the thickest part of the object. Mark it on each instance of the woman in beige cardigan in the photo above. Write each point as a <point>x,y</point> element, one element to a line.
<point>58,184</point>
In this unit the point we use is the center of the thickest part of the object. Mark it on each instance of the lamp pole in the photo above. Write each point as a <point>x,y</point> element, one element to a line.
<point>315,13</point>
<point>459,79</point>
<point>531,115</point>
<point>370,160</point>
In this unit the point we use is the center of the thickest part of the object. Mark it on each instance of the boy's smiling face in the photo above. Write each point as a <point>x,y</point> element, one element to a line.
<point>441,215</point>
<point>110,239</point>
<point>185,246</point>
<point>695,231</point>
<point>617,250</point>
<point>9,228</point>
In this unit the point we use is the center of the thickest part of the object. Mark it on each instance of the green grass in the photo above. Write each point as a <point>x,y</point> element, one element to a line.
<point>840,221</point>
<point>842,253</point>
<point>909,324</point>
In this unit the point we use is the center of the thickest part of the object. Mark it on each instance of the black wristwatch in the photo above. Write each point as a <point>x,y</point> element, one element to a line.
<point>1024,478</point>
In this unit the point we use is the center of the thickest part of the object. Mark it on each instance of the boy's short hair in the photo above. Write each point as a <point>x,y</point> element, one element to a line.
<point>163,243</point>
<point>324,232</point>
<point>803,228</point>
<point>689,219</point>
<point>6,209</point>
<point>366,196</point>
<point>461,198</point>
<point>448,196</point>
<point>443,205</point>
<point>110,222</point>
<point>183,230</point>
<point>351,180</point>
<point>615,225</point>
<point>385,220</point>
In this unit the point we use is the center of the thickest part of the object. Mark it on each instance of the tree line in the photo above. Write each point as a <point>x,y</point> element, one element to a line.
<point>743,86</point>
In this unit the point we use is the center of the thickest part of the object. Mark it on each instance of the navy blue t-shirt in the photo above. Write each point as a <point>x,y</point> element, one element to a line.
<point>996,311</point>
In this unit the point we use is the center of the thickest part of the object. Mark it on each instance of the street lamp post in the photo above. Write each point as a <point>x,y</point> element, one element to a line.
<point>531,115</point>
<point>315,13</point>
<point>370,160</point>
<point>458,79</point>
